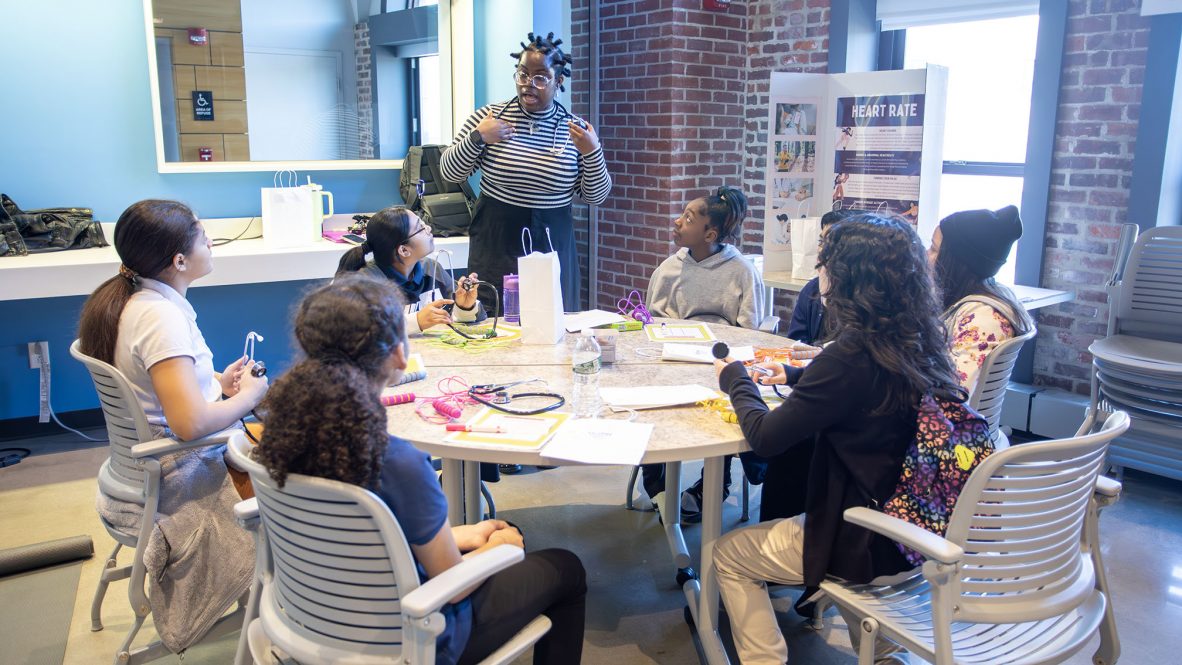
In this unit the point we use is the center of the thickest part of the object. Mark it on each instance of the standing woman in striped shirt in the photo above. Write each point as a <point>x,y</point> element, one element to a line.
<point>536,156</point>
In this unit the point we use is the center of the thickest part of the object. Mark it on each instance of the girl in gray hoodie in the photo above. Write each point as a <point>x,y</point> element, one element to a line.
<point>707,279</point>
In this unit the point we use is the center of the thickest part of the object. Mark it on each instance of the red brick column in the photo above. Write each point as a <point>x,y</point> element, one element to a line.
<point>1099,105</point>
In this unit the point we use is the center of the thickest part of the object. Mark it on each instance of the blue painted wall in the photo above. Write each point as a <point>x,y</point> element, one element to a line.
<point>81,134</point>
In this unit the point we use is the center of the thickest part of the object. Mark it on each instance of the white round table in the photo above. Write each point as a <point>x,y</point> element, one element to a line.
<point>679,434</point>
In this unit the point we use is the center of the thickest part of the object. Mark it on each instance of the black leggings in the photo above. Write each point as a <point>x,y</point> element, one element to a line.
<point>550,582</point>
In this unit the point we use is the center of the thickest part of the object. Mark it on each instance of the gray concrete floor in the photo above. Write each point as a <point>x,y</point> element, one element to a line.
<point>634,607</point>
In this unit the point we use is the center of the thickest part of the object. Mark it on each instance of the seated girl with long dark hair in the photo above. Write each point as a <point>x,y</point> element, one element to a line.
<point>324,418</point>
<point>399,244</point>
<point>856,403</point>
<point>968,248</point>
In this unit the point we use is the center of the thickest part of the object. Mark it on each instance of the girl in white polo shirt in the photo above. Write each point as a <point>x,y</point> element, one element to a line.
<point>140,322</point>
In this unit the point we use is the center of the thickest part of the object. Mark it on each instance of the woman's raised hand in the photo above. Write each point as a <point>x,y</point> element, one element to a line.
<point>466,292</point>
<point>494,130</point>
<point>586,140</point>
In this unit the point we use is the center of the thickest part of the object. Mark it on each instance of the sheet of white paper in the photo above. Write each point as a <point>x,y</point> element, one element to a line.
<point>589,319</point>
<point>645,397</point>
<point>700,353</point>
<point>598,441</point>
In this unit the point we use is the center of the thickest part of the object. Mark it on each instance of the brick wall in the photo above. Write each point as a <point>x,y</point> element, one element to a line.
<point>683,96</point>
<point>365,140</point>
<point>1099,105</point>
<point>661,95</point>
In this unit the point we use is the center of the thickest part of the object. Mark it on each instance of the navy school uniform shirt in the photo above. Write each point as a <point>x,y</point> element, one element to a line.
<point>808,314</point>
<point>409,486</point>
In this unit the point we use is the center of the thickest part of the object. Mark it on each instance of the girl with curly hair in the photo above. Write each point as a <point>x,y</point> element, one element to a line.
<point>324,418</point>
<point>856,403</point>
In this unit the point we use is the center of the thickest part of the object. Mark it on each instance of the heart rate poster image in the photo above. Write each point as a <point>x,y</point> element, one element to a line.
<point>877,160</point>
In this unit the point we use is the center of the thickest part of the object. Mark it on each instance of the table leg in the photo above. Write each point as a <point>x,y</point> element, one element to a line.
<point>472,511</point>
<point>708,595</point>
<point>671,516</point>
<point>453,489</point>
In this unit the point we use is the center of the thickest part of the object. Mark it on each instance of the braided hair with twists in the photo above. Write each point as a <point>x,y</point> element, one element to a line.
<point>554,57</point>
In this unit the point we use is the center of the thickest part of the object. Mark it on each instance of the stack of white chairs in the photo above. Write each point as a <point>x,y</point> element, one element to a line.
<point>1137,368</point>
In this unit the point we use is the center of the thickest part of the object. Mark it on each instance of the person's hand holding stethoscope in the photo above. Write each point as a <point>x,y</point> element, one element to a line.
<point>494,130</point>
<point>583,135</point>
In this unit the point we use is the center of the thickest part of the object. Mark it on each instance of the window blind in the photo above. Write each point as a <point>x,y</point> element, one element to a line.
<point>902,14</point>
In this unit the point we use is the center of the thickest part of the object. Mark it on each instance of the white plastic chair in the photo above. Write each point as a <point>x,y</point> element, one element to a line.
<point>992,380</point>
<point>1009,582</point>
<point>132,473</point>
<point>336,581</point>
<point>1138,366</point>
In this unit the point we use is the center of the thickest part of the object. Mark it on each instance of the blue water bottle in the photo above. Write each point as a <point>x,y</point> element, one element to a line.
<point>512,309</point>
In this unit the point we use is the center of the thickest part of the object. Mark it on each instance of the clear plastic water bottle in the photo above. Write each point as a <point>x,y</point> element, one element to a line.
<point>512,313</point>
<point>585,367</point>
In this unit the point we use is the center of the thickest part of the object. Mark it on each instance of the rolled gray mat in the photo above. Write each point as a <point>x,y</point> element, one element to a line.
<point>41,555</point>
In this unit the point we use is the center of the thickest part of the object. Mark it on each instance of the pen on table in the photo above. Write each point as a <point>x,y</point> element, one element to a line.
<point>487,429</point>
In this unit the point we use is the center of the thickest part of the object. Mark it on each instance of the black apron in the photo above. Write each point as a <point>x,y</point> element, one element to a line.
<point>495,244</point>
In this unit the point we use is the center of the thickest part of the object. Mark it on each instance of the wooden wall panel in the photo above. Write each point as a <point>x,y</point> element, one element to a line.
<point>209,14</point>
<point>192,143</point>
<point>237,147</point>
<point>225,49</point>
<point>184,53</point>
<point>229,117</point>
<point>224,82</point>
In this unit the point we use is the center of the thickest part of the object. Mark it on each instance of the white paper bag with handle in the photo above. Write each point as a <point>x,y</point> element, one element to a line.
<point>286,212</point>
<point>805,233</point>
<point>540,279</point>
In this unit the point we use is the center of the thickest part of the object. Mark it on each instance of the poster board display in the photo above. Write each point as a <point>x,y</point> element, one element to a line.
<point>865,141</point>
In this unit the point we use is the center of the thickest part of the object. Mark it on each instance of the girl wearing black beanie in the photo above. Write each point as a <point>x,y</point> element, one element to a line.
<point>967,250</point>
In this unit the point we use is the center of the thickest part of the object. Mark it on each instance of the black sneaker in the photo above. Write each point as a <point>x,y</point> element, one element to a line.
<point>510,469</point>
<point>691,502</point>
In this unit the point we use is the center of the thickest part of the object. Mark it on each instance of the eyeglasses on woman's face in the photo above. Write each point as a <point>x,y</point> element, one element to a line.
<point>538,81</point>
<point>422,227</point>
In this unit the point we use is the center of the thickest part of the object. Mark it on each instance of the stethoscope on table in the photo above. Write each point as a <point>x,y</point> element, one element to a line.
<point>496,396</point>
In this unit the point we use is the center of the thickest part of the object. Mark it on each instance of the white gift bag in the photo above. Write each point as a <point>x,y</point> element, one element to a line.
<point>540,280</point>
<point>805,232</point>
<point>287,213</point>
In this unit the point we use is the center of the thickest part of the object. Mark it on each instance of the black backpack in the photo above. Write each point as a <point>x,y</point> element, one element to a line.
<point>446,206</point>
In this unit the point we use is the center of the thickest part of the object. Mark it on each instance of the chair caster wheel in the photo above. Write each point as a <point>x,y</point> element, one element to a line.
<point>684,575</point>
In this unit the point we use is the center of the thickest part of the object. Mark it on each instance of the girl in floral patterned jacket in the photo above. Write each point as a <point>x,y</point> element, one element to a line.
<point>967,250</point>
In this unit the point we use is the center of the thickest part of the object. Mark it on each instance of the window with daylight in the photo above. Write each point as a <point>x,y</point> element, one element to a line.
<point>990,71</point>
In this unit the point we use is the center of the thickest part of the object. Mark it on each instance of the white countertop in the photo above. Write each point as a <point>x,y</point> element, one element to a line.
<point>79,271</point>
<point>1032,297</point>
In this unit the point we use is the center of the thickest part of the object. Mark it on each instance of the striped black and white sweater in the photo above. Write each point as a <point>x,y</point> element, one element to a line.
<point>538,168</point>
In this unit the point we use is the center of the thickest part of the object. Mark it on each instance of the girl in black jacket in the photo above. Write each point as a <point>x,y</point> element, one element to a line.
<point>856,404</point>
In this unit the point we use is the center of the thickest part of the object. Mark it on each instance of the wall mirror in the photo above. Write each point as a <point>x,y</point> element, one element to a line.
<point>263,85</point>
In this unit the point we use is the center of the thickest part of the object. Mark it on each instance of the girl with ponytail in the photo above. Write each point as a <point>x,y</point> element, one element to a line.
<point>398,244</point>
<point>324,418</point>
<point>140,322</point>
<point>708,280</point>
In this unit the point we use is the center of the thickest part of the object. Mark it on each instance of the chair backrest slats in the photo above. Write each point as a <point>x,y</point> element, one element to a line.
<point>340,563</point>
<point>126,423</point>
<point>1150,300</point>
<point>1020,521</point>
<point>990,390</point>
